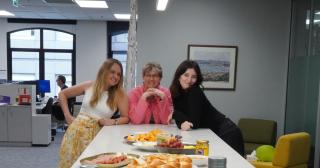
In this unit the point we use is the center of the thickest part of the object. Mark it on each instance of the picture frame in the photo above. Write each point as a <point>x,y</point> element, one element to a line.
<point>218,64</point>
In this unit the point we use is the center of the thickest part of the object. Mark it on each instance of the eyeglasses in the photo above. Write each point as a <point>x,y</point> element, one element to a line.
<point>152,76</point>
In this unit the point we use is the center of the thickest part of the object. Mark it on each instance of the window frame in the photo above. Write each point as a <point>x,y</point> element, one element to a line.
<point>115,28</point>
<point>41,52</point>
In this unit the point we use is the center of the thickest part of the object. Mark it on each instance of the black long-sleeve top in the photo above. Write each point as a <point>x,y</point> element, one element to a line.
<point>193,106</point>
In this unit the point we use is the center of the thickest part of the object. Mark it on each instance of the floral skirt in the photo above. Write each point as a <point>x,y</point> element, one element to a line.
<point>77,137</point>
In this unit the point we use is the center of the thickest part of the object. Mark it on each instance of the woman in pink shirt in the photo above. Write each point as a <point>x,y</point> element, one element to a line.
<point>150,102</point>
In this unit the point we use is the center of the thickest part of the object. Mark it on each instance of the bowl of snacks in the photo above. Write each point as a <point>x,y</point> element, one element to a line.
<point>150,136</point>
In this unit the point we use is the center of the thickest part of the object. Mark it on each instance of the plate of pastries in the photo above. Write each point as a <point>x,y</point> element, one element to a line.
<point>161,161</point>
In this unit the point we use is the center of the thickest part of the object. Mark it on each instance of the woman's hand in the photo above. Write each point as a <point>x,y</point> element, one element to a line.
<point>185,126</point>
<point>158,93</point>
<point>69,119</point>
<point>169,118</point>
<point>147,95</point>
<point>106,121</point>
<point>153,92</point>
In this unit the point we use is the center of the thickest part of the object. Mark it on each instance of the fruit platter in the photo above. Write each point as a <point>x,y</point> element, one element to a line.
<point>108,160</point>
<point>174,145</point>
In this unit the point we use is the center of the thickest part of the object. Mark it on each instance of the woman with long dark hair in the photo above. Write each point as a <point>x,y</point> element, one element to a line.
<point>193,110</point>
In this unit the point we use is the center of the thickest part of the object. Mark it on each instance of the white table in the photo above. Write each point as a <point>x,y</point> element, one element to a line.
<point>110,139</point>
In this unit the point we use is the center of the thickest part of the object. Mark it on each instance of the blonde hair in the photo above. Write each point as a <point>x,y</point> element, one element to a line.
<point>115,93</point>
<point>152,66</point>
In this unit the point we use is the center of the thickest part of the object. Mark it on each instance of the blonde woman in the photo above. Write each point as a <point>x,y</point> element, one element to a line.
<point>102,98</point>
<point>150,103</point>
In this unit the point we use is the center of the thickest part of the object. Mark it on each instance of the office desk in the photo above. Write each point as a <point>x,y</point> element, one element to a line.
<point>110,139</point>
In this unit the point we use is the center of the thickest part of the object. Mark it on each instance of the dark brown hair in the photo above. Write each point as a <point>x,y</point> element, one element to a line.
<point>175,86</point>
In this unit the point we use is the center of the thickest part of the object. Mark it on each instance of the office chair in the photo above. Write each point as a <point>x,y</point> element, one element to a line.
<point>257,132</point>
<point>48,108</point>
<point>58,115</point>
<point>292,151</point>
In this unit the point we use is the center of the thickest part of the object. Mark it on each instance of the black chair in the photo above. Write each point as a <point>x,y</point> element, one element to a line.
<point>48,108</point>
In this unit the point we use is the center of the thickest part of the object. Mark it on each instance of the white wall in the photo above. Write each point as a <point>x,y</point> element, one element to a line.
<point>260,28</point>
<point>91,48</point>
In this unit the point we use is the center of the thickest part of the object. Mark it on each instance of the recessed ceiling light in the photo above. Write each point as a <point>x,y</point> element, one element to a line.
<point>162,4</point>
<point>122,16</point>
<point>5,13</point>
<point>91,4</point>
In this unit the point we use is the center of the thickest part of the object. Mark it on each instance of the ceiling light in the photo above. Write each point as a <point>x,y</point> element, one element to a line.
<point>162,4</point>
<point>314,21</point>
<point>91,4</point>
<point>122,16</point>
<point>318,13</point>
<point>5,13</point>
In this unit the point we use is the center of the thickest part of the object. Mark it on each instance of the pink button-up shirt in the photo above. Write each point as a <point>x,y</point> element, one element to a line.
<point>140,111</point>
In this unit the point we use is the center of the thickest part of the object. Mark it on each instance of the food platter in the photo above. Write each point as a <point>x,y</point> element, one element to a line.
<point>108,160</point>
<point>150,136</point>
<point>146,146</point>
<point>162,160</point>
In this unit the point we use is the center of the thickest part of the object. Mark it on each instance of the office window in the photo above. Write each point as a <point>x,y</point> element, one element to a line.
<point>25,66</point>
<point>57,40</point>
<point>57,64</point>
<point>118,41</point>
<point>25,39</point>
<point>41,54</point>
<point>119,45</point>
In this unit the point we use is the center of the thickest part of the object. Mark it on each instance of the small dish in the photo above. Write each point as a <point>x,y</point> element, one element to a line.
<point>175,150</point>
<point>199,160</point>
<point>125,138</point>
<point>147,146</point>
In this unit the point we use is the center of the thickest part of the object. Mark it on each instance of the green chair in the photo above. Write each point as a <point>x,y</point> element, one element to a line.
<point>292,151</point>
<point>257,132</point>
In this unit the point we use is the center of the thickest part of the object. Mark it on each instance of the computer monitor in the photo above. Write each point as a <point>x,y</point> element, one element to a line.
<point>43,86</point>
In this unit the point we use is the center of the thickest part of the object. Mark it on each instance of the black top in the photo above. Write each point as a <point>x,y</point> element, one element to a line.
<point>70,100</point>
<point>193,106</point>
<point>64,87</point>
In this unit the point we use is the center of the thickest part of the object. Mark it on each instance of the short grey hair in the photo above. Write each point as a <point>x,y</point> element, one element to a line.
<point>152,66</point>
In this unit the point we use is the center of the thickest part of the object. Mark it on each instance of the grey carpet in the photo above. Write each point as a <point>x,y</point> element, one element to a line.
<point>31,157</point>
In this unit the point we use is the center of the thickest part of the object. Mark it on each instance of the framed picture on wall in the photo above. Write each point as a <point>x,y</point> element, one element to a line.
<point>218,65</point>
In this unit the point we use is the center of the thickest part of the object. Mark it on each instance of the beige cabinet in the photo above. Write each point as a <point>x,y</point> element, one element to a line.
<point>19,124</point>
<point>3,124</point>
